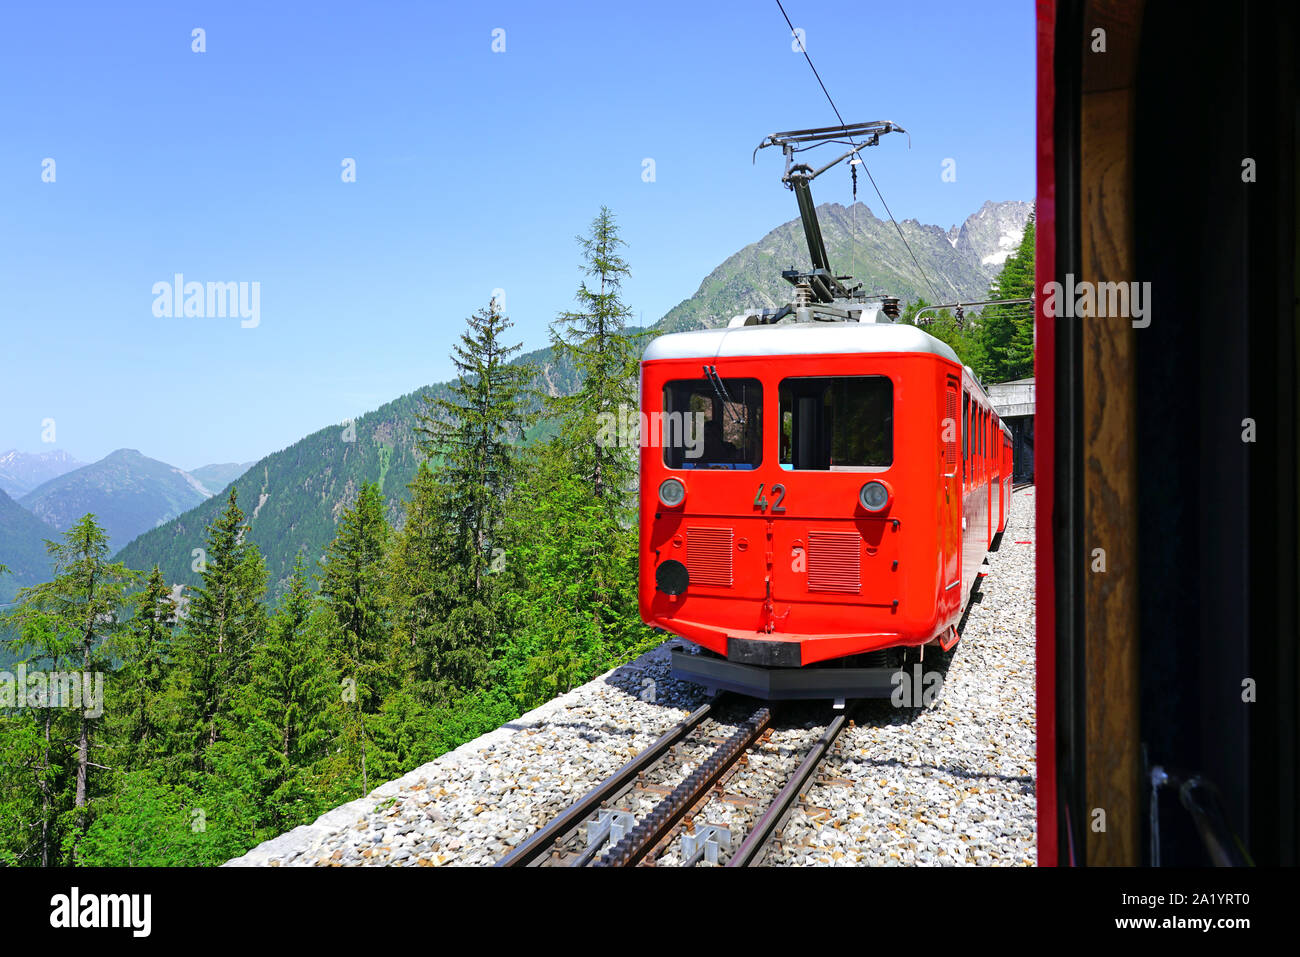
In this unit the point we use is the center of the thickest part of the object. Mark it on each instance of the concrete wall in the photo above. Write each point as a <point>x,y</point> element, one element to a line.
<point>1015,404</point>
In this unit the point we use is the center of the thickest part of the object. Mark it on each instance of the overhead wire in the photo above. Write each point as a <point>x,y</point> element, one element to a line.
<point>804,50</point>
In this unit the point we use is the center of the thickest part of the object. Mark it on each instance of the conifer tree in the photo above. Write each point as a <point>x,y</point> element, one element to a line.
<point>572,581</point>
<point>355,594</point>
<point>573,540</point>
<point>226,620</point>
<point>470,433</point>
<point>62,625</point>
<point>426,585</point>
<point>1005,333</point>
<point>1017,282</point>
<point>353,588</point>
<point>594,338</point>
<point>143,647</point>
<point>284,717</point>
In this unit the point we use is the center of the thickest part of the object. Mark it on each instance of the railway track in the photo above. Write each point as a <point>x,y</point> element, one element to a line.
<point>652,811</point>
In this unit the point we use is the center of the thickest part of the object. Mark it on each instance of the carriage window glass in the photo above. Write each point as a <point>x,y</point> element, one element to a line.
<point>711,423</point>
<point>965,432</point>
<point>837,423</point>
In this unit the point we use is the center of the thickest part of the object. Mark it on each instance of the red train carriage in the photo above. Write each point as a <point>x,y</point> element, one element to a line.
<point>816,501</point>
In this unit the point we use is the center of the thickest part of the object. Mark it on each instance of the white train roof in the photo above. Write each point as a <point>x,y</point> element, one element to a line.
<point>787,339</point>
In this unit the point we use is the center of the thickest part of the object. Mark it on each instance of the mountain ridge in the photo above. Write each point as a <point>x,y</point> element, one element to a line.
<point>20,472</point>
<point>22,547</point>
<point>128,492</point>
<point>292,498</point>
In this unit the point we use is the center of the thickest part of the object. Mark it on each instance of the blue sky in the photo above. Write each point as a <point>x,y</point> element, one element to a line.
<point>474,171</point>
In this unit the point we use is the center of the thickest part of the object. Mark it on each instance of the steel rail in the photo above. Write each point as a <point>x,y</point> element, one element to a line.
<point>541,842</point>
<point>648,832</point>
<point>754,845</point>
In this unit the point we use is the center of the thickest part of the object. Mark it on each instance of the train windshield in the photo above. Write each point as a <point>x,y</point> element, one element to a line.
<point>712,423</point>
<point>837,423</point>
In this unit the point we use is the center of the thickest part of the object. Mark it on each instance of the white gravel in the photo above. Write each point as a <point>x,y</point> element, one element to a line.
<point>950,784</point>
<point>953,783</point>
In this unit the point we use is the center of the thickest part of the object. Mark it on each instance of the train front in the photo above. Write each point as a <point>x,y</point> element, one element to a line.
<point>773,529</point>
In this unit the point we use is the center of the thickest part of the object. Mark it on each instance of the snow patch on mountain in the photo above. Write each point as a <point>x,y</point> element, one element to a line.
<point>991,234</point>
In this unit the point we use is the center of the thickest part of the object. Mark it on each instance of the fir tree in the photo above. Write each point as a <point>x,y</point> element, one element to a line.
<point>572,537</point>
<point>1006,333</point>
<point>284,716</point>
<point>353,587</point>
<point>426,586</point>
<point>143,647</point>
<point>62,626</point>
<point>594,338</point>
<point>226,619</point>
<point>354,590</point>
<point>572,582</point>
<point>472,431</point>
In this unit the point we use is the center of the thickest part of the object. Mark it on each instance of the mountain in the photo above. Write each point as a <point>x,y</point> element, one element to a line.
<point>20,472</point>
<point>127,491</point>
<point>217,477</point>
<point>22,548</point>
<point>294,497</point>
<point>950,265</point>
<point>990,235</point>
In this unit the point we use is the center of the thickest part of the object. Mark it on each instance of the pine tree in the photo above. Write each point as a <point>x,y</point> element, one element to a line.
<point>594,338</point>
<point>426,586</point>
<point>572,533</point>
<point>355,596</point>
<point>353,587</point>
<point>62,625</point>
<point>572,537</point>
<point>284,717</point>
<point>143,647</point>
<point>1017,282</point>
<point>225,622</point>
<point>472,433</point>
<point>571,578</point>
<point>1005,333</point>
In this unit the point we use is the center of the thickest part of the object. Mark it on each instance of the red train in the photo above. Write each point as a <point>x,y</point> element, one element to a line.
<point>816,501</point>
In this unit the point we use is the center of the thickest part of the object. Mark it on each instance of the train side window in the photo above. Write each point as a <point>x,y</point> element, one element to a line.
<point>712,424</point>
<point>839,423</point>
<point>965,434</point>
<point>950,429</point>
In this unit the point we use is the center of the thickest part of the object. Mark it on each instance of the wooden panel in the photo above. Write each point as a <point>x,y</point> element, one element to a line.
<point>1110,480</point>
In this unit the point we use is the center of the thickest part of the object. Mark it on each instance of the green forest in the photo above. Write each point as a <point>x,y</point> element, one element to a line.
<point>505,577</point>
<point>477,575</point>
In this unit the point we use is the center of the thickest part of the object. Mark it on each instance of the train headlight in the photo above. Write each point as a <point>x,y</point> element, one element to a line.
<point>874,496</point>
<point>672,492</point>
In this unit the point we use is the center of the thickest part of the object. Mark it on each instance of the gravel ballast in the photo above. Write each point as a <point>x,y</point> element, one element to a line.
<point>951,783</point>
